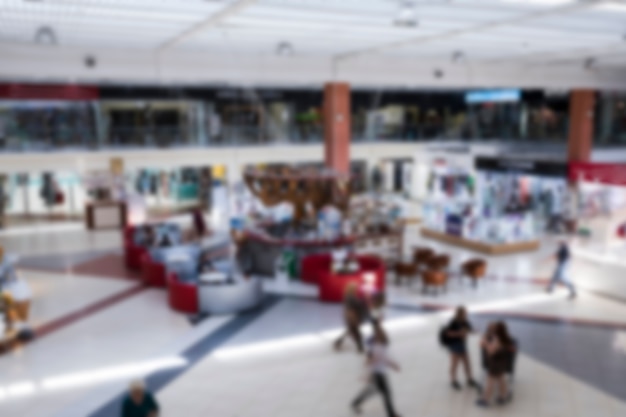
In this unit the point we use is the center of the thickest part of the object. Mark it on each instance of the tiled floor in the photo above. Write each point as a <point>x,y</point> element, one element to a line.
<point>60,294</point>
<point>279,361</point>
<point>318,381</point>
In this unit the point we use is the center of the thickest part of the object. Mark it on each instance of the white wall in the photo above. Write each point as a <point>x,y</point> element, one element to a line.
<point>235,158</point>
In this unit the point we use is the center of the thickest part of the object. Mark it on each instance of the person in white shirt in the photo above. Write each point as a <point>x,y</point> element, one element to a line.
<point>16,295</point>
<point>378,361</point>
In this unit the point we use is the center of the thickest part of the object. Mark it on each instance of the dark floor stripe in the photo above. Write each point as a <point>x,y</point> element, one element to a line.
<point>586,354</point>
<point>530,317</point>
<point>193,354</point>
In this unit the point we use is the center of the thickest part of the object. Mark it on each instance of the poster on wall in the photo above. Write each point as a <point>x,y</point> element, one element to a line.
<point>454,225</point>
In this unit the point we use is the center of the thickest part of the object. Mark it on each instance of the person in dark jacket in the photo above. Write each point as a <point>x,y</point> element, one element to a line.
<point>199,224</point>
<point>139,402</point>
<point>562,257</point>
<point>355,312</point>
<point>457,332</point>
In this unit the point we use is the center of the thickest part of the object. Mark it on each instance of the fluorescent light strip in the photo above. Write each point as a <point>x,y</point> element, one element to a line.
<point>55,10</point>
<point>15,18</point>
<point>540,2</point>
<point>611,7</point>
<point>111,373</point>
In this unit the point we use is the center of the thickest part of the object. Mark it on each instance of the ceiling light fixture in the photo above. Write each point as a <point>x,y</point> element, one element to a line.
<point>589,63</point>
<point>457,56</point>
<point>90,61</point>
<point>540,2</point>
<point>45,36</point>
<point>284,49</point>
<point>407,15</point>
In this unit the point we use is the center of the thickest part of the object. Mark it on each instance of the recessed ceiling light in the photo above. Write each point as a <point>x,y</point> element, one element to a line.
<point>284,49</point>
<point>457,56</point>
<point>45,36</point>
<point>407,15</point>
<point>90,61</point>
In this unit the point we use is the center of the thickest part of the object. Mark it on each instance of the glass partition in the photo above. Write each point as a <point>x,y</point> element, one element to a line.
<point>138,117</point>
<point>610,120</point>
<point>43,125</point>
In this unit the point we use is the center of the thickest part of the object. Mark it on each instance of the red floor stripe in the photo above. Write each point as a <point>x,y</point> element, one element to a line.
<point>57,324</point>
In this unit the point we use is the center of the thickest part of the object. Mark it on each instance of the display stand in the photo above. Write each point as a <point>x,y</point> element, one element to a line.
<point>482,247</point>
<point>105,215</point>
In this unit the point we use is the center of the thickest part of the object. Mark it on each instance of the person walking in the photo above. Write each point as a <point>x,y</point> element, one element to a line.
<point>139,402</point>
<point>456,335</point>
<point>499,350</point>
<point>562,257</point>
<point>378,362</point>
<point>354,313</point>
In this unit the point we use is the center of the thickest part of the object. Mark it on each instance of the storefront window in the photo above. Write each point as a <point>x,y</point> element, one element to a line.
<point>40,125</point>
<point>168,117</point>
<point>611,119</point>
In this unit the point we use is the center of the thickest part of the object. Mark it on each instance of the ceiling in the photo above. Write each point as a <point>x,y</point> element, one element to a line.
<point>587,34</point>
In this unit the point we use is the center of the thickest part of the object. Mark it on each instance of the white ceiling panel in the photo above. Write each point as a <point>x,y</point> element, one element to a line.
<point>524,31</point>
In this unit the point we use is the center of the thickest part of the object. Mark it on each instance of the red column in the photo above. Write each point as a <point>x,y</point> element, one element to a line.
<point>581,109</point>
<point>337,126</point>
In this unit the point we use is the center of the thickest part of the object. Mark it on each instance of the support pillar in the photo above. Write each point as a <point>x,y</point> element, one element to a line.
<point>581,112</point>
<point>337,126</point>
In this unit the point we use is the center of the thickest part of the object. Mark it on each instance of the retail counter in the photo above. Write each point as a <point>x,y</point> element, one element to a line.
<point>489,249</point>
<point>105,215</point>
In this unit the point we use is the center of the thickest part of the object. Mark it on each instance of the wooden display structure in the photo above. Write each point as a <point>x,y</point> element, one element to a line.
<point>301,187</point>
<point>105,215</point>
<point>486,248</point>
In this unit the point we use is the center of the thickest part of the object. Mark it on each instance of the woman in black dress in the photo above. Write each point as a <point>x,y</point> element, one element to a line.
<point>499,348</point>
<point>456,334</point>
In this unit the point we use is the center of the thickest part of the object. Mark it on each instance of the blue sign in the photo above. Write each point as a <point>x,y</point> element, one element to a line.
<point>236,223</point>
<point>493,96</point>
<point>454,225</point>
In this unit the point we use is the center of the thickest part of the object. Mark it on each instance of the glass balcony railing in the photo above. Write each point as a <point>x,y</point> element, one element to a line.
<point>172,137</point>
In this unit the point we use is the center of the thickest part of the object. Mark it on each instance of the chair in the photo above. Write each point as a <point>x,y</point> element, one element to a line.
<point>421,256</point>
<point>153,273</point>
<point>475,269</point>
<point>434,278</point>
<point>133,253</point>
<point>332,286</point>
<point>439,262</point>
<point>182,296</point>
<point>312,265</point>
<point>404,270</point>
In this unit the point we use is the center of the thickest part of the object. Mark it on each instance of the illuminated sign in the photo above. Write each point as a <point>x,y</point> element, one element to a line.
<point>493,96</point>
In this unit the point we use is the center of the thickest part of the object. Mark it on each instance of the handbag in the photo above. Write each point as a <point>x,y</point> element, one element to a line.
<point>444,339</point>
